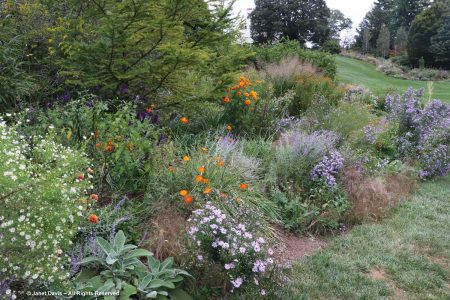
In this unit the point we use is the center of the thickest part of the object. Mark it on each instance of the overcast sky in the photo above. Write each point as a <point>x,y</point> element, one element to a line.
<point>353,9</point>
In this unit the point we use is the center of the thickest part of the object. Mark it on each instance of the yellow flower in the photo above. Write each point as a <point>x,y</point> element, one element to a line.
<point>207,190</point>
<point>204,150</point>
<point>186,158</point>
<point>229,127</point>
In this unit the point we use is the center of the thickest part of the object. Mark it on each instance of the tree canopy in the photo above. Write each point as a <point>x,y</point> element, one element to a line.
<point>300,20</point>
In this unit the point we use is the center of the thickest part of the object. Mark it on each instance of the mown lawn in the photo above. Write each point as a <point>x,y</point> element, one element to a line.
<point>405,256</point>
<point>359,72</point>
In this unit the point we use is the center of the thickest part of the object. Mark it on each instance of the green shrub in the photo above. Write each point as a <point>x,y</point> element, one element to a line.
<point>275,52</point>
<point>331,46</point>
<point>40,191</point>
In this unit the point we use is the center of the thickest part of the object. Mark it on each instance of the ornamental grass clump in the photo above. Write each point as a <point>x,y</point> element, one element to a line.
<point>235,243</point>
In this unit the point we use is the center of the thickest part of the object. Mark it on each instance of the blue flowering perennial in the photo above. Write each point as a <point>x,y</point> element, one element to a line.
<point>328,168</point>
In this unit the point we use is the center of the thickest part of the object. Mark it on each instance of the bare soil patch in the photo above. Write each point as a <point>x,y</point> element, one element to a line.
<point>292,247</point>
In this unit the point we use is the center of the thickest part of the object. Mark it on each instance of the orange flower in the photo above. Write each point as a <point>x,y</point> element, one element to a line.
<point>223,195</point>
<point>110,142</point>
<point>207,190</point>
<point>247,102</point>
<point>238,199</point>
<point>229,127</point>
<point>205,180</point>
<point>199,178</point>
<point>81,176</point>
<point>243,186</point>
<point>171,169</point>
<point>184,120</point>
<point>226,99</point>
<point>188,199</point>
<point>221,163</point>
<point>238,93</point>
<point>93,219</point>
<point>254,95</point>
<point>246,94</point>
<point>98,145</point>
<point>184,192</point>
<point>201,169</point>
<point>186,158</point>
<point>94,197</point>
<point>233,88</point>
<point>109,148</point>
<point>204,149</point>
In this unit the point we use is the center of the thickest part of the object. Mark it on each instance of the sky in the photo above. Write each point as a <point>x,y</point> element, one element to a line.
<point>353,9</point>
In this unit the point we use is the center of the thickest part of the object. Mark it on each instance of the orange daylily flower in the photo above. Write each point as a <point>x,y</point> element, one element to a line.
<point>199,178</point>
<point>205,180</point>
<point>201,169</point>
<point>243,186</point>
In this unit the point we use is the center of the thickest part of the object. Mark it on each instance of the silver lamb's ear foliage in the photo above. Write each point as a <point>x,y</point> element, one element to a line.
<point>122,271</point>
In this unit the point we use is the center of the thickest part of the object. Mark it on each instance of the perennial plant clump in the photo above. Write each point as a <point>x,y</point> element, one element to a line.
<point>41,195</point>
<point>233,242</point>
<point>328,168</point>
<point>423,133</point>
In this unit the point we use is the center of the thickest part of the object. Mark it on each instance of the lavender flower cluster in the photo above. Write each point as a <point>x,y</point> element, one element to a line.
<point>328,168</point>
<point>245,256</point>
<point>5,288</point>
<point>424,133</point>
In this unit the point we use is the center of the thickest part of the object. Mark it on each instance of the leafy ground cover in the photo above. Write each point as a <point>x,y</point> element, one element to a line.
<point>404,256</point>
<point>355,71</point>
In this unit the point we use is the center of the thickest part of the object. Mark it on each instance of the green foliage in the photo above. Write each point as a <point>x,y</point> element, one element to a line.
<point>331,46</point>
<point>311,90</point>
<point>440,44</point>
<point>41,208</point>
<point>348,119</point>
<point>300,21</point>
<point>253,108</point>
<point>274,53</point>
<point>423,28</point>
<point>119,271</point>
<point>119,142</point>
<point>384,41</point>
<point>144,48</point>
<point>338,22</point>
